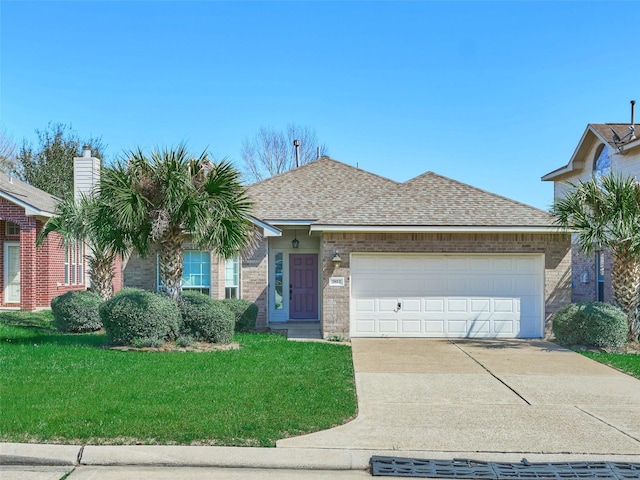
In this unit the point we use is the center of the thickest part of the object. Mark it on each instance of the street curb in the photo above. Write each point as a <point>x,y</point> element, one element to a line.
<point>251,457</point>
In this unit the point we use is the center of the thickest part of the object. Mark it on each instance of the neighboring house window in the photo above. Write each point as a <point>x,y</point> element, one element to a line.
<point>74,264</point>
<point>602,162</point>
<point>196,271</point>
<point>12,229</point>
<point>232,278</point>
<point>600,276</point>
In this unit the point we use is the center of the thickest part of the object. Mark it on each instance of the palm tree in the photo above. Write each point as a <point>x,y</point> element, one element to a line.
<point>604,212</point>
<point>161,200</point>
<point>79,222</point>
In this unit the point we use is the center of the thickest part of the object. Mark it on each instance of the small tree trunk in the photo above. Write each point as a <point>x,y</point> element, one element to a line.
<point>625,280</point>
<point>102,275</point>
<point>171,257</point>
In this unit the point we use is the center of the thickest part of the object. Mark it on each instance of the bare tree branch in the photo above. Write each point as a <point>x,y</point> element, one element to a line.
<point>7,151</point>
<point>271,152</point>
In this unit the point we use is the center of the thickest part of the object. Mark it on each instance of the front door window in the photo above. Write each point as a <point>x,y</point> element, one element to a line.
<point>12,273</point>
<point>278,265</point>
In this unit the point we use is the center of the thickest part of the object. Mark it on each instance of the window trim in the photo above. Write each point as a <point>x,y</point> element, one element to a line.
<point>74,264</point>
<point>600,263</point>
<point>7,233</point>
<point>232,290</point>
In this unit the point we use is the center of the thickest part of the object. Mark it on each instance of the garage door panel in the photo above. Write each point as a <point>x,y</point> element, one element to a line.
<point>434,327</point>
<point>386,305</point>
<point>411,305</point>
<point>505,327</point>
<point>388,325</point>
<point>479,327</point>
<point>456,284</point>
<point>458,296</point>
<point>411,326</point>
<point>480,285</point>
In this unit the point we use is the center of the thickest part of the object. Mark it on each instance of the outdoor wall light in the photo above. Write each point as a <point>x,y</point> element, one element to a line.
<point>295,243</point>
<point>336,260</point>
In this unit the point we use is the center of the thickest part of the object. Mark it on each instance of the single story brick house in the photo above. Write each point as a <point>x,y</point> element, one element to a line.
<point>366,256</point>
<point>603,148</point>
<point>31,275</point>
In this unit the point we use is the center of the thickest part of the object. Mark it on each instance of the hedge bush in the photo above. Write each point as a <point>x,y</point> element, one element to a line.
<point>206,319</point>
<point>245,313</point>
<point>140,318</point>
<point>594,324</point>
<point>77,311</point>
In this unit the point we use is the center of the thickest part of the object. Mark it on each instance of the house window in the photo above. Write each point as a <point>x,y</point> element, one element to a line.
<point>232,278</point>
<point>602,162</point>
<point>278,281</point>
<point>600,276</point>
<point>196,271</point>
<point>12,229</point>
<point>74,264</point>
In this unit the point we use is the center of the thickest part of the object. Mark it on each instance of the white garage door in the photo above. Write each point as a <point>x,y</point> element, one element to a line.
<point>485,296</point>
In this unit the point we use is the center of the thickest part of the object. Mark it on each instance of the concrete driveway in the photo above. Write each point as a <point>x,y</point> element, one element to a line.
<point>485,396</point>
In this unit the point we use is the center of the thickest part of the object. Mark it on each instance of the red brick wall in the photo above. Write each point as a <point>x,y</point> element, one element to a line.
<point>41,269</point>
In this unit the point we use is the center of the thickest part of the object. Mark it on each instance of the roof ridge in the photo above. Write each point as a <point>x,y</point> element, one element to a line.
<point>495,195</point>
<point>316,162</point>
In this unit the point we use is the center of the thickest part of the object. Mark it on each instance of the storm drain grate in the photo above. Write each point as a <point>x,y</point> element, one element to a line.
<point>475,469</point>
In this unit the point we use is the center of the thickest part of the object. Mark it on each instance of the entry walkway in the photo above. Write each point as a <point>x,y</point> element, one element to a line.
<point>485,396</point>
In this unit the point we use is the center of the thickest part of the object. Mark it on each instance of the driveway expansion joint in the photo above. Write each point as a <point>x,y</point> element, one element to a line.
<point>490,372</point>
<point>608,424</point>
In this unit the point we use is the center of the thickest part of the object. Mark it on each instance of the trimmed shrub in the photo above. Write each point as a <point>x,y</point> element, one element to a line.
<point>205,319</point>
<point>594,324</point>
<point>140,318</point>
<point>245,313</point>
<point>77,311</point>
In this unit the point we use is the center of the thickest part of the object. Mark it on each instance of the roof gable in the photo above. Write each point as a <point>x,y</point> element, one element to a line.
<point>595,132</point>
<point>32,199</point>
<point>317,189</point>
<point>433,200</point>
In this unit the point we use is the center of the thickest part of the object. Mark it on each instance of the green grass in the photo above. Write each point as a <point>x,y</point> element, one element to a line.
<point>627,362</point>
<point>67,389</point>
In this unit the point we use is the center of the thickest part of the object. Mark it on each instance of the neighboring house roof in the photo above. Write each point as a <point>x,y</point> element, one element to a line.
<point>36,202</point>
<point>596,132</point>
<point>431,200</point>
<point>322,187</point>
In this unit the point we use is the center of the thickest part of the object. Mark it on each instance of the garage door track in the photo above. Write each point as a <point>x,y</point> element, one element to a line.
<point>485,396</point>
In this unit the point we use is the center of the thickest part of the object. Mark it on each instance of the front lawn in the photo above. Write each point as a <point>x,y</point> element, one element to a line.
<point>627,362</point>
<point>67,389</point>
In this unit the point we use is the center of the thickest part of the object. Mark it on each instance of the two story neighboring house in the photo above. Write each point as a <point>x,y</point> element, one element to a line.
<point>604,148</point>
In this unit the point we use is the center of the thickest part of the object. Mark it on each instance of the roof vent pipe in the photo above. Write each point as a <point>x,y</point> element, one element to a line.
<point>632,128</point>
<point>318,154</point>
<point>296,144</point>
<point>86,151</point>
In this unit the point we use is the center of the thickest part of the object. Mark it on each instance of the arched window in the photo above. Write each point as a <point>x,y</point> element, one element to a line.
<point>601,161</point>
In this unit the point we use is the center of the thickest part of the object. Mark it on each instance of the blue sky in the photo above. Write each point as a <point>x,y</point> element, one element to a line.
<point>494,94</point>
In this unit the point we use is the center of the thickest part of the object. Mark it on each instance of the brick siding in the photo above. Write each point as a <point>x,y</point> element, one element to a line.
<point>41,268</point>
<point>335,301</point>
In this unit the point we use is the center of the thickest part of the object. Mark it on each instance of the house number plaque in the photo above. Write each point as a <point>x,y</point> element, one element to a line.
<point>336,281</point>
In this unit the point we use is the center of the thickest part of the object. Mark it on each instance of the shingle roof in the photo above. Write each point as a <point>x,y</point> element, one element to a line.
<point>317,189</point>
<point>26,195</point>
<point>605,130</point>
<point>433,200</point>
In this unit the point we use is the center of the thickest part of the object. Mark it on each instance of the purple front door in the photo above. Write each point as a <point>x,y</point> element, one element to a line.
<point>303,286</point>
